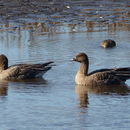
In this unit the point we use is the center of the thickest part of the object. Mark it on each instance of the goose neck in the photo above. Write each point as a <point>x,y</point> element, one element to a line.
<point>84,68</point>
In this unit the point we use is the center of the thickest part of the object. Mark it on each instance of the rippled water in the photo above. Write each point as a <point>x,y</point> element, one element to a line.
<point>56,102</point>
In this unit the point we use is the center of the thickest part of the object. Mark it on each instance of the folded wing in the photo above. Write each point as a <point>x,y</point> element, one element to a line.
<point>26,71</point>
<point>111,76</point>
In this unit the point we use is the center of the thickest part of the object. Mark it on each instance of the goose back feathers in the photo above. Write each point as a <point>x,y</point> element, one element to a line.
<point>22,71</point>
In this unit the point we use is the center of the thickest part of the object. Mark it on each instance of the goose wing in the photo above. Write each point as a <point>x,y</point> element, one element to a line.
<point>23,71</point>
<point>111,76</point>
<point>99,70</point>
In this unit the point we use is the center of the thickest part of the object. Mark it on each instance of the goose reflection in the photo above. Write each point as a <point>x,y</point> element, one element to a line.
<point>82,91</point>
<point>29,85</point>
<point>82,94</point>
<point>31,81</point>
<point>3,88</point>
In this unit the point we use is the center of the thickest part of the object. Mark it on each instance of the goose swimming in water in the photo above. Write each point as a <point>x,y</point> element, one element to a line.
<point>108,43</point>
<point>22,71</point>
<point>115,76</point>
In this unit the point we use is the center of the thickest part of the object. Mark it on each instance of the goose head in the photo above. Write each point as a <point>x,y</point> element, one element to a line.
<point>3,62</point>
<point>81,57</point>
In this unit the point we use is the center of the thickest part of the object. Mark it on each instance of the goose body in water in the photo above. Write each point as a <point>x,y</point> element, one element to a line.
<point>22,71</point>
<point>108,43</point>
<point>115,76</point>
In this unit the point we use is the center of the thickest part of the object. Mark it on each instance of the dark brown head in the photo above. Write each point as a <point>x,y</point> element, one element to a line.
<point>81,57</point>
<point>3,62</point>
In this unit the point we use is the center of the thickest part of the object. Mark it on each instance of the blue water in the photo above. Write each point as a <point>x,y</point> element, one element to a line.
<point>54,103</point>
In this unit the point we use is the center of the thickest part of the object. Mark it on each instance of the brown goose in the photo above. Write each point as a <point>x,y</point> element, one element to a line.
<point>108,43</point>
<point>99,77</point>
<point>22,71</point>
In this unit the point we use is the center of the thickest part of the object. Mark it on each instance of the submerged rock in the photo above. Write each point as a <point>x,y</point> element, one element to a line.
<point>108,43</point>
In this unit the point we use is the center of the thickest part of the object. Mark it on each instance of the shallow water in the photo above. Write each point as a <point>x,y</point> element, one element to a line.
<point>54,103</point>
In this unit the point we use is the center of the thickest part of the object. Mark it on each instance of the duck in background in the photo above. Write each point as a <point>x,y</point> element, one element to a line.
<point>108,43</point>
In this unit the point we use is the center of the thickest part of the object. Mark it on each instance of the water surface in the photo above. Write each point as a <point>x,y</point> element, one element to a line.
<point>58,34</point>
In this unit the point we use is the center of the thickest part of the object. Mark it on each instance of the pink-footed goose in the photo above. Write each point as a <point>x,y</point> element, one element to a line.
<point>22,71</point>
<point>114,76</point>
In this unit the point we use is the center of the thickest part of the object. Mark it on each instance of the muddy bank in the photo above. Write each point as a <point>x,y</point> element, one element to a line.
<point>62,11</point>
<point>58,16</point>
<point>19,10</point>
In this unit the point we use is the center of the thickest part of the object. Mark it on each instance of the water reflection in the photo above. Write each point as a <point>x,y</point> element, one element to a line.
<point>3,88</point>
<point>82,92</point>
<point>32,81</point>
<point>30,86</point>
<point>55,27</point>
